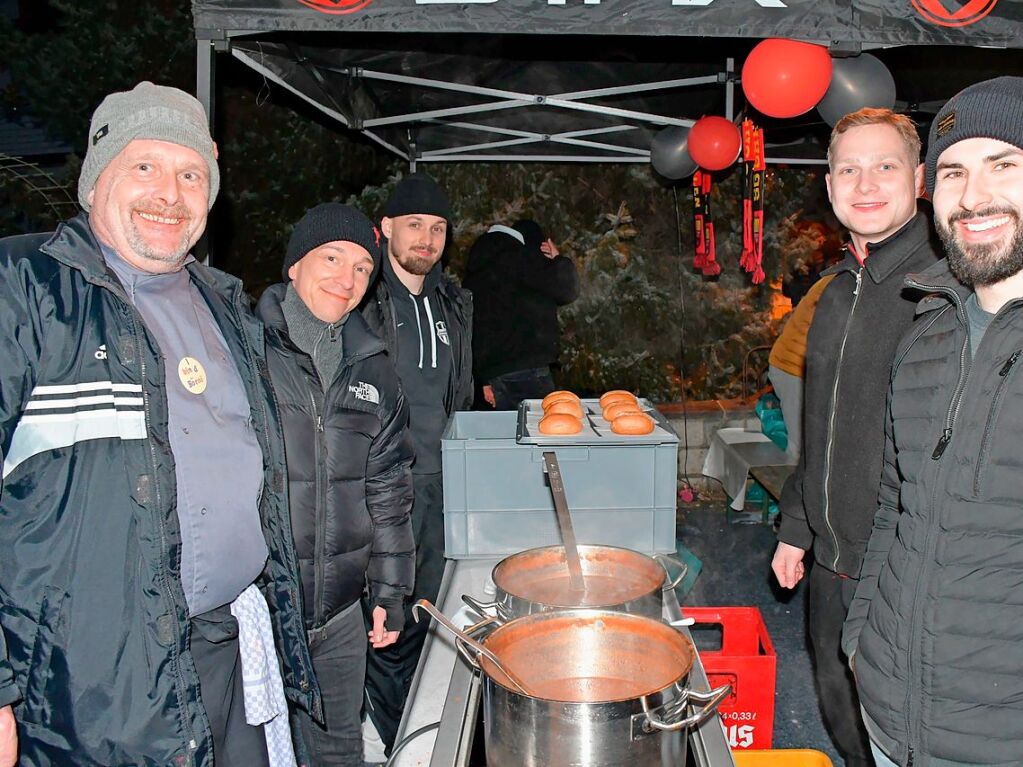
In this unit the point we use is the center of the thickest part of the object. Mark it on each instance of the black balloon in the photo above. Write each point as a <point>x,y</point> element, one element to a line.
<point>856,82</point>
<point>669,153</point>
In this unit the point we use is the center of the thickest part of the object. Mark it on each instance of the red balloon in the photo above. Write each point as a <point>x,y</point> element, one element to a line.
<point>785,78</point>
<point>714,143</point>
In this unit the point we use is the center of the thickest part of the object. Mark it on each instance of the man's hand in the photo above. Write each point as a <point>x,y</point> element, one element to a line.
<point>548,248</point>
<point>788,565</point>
<point>8,737</point>
<point>379,636</point>
<point>488,396</point>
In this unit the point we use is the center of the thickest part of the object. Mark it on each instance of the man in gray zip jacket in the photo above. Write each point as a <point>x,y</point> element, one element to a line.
<point>935,632</point>
<point>829,502</point>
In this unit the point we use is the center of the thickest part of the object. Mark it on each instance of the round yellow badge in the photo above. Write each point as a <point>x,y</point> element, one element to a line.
<point>192,375</point>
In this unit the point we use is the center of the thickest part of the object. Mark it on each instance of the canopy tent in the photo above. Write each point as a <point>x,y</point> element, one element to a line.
<point>582,80</point>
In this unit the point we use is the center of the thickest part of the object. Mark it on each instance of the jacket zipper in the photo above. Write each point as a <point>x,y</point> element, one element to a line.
<point>179,679</point>
<point>913,702</point>
<point>321,503</point>
<point>985,444</point>
<point>829,449</point>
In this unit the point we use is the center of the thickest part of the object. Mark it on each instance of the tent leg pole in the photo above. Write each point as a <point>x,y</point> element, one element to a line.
<point>205,72</point>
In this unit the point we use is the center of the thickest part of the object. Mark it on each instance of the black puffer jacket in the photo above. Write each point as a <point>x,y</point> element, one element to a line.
<point>937,621</point>
<point>829,501</point>
<point>517,293</point>
<point>349,477</point>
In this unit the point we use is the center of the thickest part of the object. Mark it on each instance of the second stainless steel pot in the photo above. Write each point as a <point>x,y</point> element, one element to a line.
<point>616,579</point>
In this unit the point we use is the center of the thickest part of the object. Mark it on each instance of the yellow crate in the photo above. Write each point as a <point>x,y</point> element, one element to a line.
<point>785,757</point>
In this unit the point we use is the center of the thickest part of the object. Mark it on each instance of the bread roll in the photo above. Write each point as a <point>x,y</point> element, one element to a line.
<point>556,396</point>
<point>560,423</point>
<point>620,407</point>
<point>567,406</point>
<point>617,395</point>
<point>632,423</point>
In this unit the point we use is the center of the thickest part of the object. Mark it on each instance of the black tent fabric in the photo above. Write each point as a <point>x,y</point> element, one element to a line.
<point>876,22</point>
<point>586,80</point>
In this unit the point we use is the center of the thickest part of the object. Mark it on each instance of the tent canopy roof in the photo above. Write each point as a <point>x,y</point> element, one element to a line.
<point>443,80</point>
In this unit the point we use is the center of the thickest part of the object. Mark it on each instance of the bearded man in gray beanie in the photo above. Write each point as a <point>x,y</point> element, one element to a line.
<point>349,459</point>
<point>146,560</point>
<point>935,631</point>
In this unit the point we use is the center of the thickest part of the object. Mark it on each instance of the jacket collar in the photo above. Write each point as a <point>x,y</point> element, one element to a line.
<point>358,339</point>
<point>75,245</point>
<point>887,256</point>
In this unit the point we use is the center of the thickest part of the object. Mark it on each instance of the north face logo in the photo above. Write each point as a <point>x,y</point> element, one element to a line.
<point>442,333</point>
<point>366,392</point>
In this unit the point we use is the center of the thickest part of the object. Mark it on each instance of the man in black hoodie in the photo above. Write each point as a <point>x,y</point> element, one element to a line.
<point>426,323</point>
<point>518,280</point>
<point>349,460</point>
<point>828,503</point>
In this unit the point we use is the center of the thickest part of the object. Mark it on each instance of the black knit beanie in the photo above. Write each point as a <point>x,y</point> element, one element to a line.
<point>420,194</point>
<point>329,222</point>
<point>532,232</point>
<point>990,109</point>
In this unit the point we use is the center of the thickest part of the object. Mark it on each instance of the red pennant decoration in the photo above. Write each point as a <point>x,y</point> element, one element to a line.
<point>754,168</point>
<point>703,226</point>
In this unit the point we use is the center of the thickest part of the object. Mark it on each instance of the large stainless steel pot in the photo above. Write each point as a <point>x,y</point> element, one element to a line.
<point>605,689</point>
<point>617,579</point>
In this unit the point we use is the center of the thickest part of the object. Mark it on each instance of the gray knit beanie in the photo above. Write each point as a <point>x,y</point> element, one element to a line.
<point>989,109</point>
<point>147,111</point>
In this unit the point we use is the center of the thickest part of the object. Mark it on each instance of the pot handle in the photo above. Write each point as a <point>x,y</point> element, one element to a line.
<point>500,616</point>
<point>667,562</point>
<point>711,700</point>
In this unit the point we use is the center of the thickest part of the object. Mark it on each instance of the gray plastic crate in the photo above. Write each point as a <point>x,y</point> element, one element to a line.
<point>497,501</point>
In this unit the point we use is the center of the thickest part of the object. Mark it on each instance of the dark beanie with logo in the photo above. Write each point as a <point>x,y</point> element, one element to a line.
<point>418,194</point>
<point>330,222</point>
<point>989,109</point>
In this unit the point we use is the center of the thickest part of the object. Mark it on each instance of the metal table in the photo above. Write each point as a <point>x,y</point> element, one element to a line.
<point>445,689</point>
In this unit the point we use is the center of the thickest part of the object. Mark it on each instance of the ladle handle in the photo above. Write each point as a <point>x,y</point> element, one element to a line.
<point>437,615</point>
<point>575,569</point>
<point>710,701</point>
<point>667,562</point>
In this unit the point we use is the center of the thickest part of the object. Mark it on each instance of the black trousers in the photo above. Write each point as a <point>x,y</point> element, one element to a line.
<point>214,647</point>
<point>338,650</point>
<point>828,600</point>
<point>389,671</point>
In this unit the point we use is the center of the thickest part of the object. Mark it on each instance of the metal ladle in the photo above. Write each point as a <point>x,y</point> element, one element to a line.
<point>575,570</point>
<point>442,619</point>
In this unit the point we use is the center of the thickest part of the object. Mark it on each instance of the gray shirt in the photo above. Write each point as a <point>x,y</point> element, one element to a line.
<point>217,460</point>
<point>979,320</point>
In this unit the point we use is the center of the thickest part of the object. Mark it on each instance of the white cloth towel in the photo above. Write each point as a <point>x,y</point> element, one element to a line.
<point>265,703</point>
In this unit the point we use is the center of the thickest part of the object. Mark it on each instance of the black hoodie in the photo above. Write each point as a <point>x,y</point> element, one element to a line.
<point>429,339</point>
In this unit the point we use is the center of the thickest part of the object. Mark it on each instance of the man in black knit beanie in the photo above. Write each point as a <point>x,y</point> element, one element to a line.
<point>349,461</point>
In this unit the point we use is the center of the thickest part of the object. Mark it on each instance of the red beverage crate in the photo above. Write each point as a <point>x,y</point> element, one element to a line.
<point>746,660</point>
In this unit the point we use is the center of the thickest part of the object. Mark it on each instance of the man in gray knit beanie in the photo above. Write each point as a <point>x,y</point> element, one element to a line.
<point>142,446</point>
<point>935,631</point>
